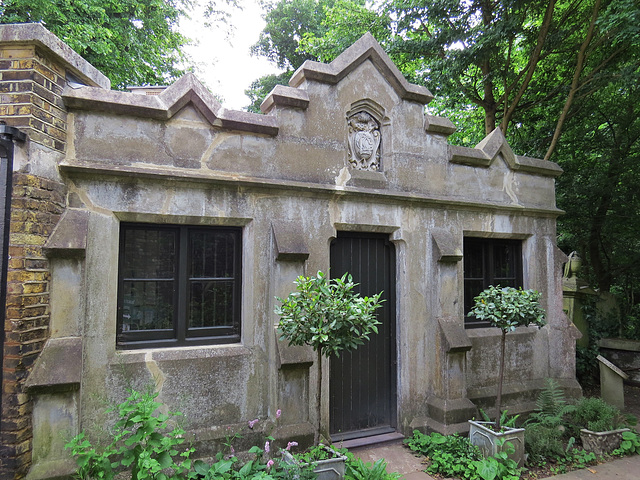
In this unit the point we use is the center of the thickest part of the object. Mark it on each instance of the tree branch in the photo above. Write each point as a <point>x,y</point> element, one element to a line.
<point>575,81</point>
<point>533,63</point>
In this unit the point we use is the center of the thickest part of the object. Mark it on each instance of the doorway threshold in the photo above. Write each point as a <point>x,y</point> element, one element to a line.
<point>385,438</point>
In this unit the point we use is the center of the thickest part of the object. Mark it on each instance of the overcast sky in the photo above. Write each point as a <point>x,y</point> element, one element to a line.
<point>223,63</point>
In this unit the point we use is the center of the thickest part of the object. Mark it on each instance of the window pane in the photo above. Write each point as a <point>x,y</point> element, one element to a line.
<point>211,303</point>
<point>212,254</point>
<point>489,262</point>
<point>178,285</point>
<point>149,253</point>
<point>473,260</point>
<point>503,261</point>
<point>472,289</point>
<point>147,305</point>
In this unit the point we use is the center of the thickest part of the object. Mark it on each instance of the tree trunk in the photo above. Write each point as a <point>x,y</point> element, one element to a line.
<point>500,379</point>
<point>531,67</point>
<point>316,437</point>
<point>597,251</point>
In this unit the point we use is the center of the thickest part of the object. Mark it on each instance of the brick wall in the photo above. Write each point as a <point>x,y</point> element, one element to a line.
<point>30,95</point>
<point>30,99</point>
<point>37,205</point>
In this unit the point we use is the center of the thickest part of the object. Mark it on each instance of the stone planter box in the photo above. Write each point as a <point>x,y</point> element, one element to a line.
<point>601,442</point>
<point>487,440</point>
<point>331,469</point>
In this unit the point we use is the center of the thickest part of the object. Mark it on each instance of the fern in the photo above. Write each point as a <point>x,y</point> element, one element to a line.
<point>551,400</point>
<point>551,406</point>
<point>546,428</point>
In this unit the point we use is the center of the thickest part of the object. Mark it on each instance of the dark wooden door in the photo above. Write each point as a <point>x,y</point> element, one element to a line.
<point>362,383</point>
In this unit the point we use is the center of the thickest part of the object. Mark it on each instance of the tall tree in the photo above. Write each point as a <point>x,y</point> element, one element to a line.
<point>133,42</point>
<point>600,153</point>
<point>504,57</point>
<point>287,22</point>
<point>559,77</point>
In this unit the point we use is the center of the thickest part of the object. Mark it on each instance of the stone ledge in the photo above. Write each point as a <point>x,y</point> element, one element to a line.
<point>286,97</point>
<point>187,89</point>
<point>448,246</point>
<point>293,356</point>
<point>164,354</point>
<point>69,237</point>
<point>441,125</point>
<point>290,244</point>
<point>496,144</point>
<point>59,366</point>
<point>455,336</point>
<point>192,176</point>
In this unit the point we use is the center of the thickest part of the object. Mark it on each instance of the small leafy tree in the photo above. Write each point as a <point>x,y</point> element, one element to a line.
<point>507,308</point>
<point>327,315</point>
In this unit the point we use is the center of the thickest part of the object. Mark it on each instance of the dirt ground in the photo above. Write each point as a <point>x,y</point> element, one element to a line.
<point>632,400</point>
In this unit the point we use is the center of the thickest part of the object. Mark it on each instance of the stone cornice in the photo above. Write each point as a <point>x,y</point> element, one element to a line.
<point>187,89</point>
<point>79,167</point>
<point>366,48</point>
<point>494,144</point>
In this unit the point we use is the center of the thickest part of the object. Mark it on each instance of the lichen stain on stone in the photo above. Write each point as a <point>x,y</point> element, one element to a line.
<point>343,177</point>
<point>218,140</point>
<point>168,199</point>
<point>83,195</point>
<point>158,377</point>
<point>507,187</point>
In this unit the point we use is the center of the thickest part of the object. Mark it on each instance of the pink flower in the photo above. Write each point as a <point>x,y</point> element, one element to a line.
<point>252,423</point>
<point>291,444</point>
<point>232,450</point>
<point>266,447</point>
<point>269,464</point>
<point>278,413</point>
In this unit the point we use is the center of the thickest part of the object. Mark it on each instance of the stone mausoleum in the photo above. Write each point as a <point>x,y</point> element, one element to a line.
<point>151,230</point>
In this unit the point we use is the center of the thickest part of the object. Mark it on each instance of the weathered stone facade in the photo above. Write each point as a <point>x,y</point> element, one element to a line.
<point>345,148</point>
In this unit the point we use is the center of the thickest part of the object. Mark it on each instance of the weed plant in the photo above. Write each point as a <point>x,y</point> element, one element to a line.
<point>145,446</point>
<point>357,469</point>
<point>455,456</point>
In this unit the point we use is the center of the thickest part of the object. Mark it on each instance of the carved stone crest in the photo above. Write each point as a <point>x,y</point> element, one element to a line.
<point>364,142</point>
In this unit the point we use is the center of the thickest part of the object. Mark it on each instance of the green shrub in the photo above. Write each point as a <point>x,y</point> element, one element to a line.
<point>146,447</point>
<point>596,415</point>
<point>449,455</point>
<point>630,444</point>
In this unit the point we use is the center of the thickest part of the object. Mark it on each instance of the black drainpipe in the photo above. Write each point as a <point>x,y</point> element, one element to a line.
<point>7,136</point>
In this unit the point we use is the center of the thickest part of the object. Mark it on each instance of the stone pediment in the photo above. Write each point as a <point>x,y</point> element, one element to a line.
<point>494,145</point>
<point>186,90</point>
<point>366,48</point>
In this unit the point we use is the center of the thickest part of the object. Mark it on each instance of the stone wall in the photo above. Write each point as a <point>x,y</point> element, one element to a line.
<point>291,180</point>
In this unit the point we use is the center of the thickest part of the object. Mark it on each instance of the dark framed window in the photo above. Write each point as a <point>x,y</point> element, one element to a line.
<point>178,285</point>
<point>489,261</point>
